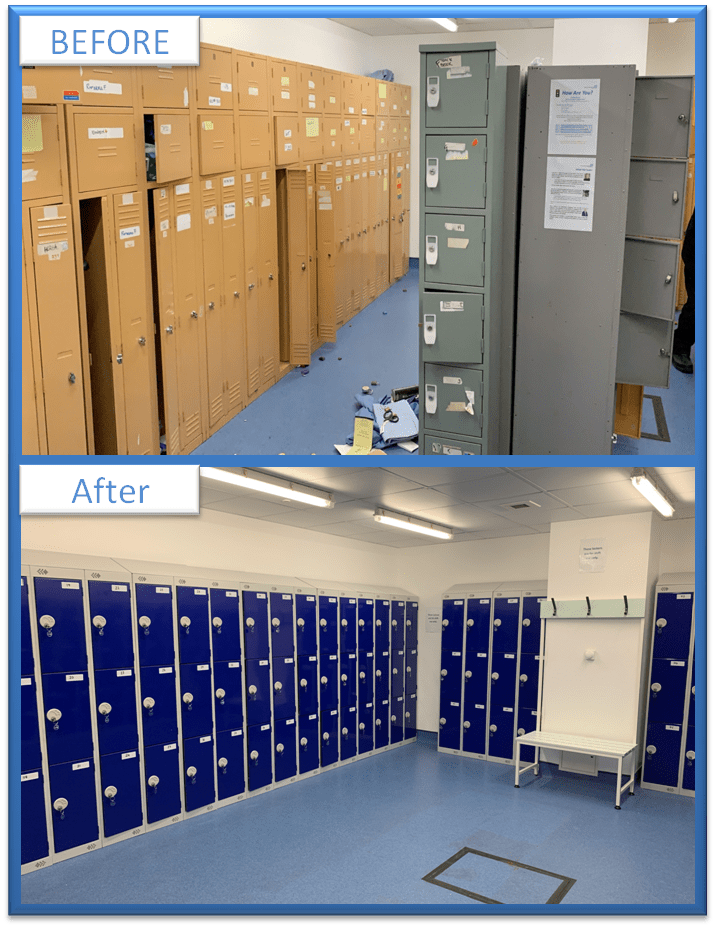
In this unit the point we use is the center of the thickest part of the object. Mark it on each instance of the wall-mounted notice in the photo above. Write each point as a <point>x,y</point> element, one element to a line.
<point>592,555</point>
<point>432,619</point>
<point>573,117</point>
<point>569,194</point>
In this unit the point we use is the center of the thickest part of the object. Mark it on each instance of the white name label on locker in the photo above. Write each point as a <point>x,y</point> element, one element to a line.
<point>454,703</point>
<point>399,652</point>
<point>170,747</point>
<point>183,222</point>
<point>226,88</point>
<point>165,669</point>
<point>81,766</point>
<point>181,189</point>
<point>165,128</point>
<point>124,673</point>
<point>286,596</point>
<point>456,653</point>
<point>164,224</point>
<point>332,657</point>
<point>202,666</point>
<point>29,776</point>
<point>263,663</point>
<point>199,592</point>
<point>455,227</point>
<point>238,731</point>
<point>129,755</point>
<point>129,232</point>
<point>507,709</point>
<point>478,706</point>
<point>70,586</point>
<point>233,664</point>
<point>119,587</point>
<point>370,654</point>
<point>214,101</point>
<point>204,739</point>
<point>353,708</point>
<point>482,654</point>
<point>232,594</point>
<point>334,711</point>
<point>672,728</point>
<point>385,703</point>
<point>26,681</point>
<point>312,717</point>
<point>210,212</point>
<point>113,132</point>
<point>260,596</point>
<point>290,721</point>
<point>228,182</point>
<point>331,599</point>
<point>457,602</point>
<point>683,595</point>
<point>541,599</point>
<point>288,660</point>
<point>678,663</point>
<point>310,599</point>
<point>312,658</point>
<point>512,656</point>
<point>369,602</point>
<point>353,657</point>
<point>452,306</point>
<point>351,601</point>
<point>369,705</point>
<point>74,677</point>
<point>161,589</point>
<point>265,727</point>
<point>253,91</point>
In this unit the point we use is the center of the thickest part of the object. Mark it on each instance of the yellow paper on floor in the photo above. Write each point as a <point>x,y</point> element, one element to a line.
<point>362,436</point>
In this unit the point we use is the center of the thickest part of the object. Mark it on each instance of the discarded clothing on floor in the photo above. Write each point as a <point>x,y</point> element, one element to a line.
<point>388,431</point>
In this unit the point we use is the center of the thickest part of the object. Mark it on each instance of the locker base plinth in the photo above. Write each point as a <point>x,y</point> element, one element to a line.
<point>122,836</point>
<point>33,865</point>
<point>163,822</point>
<point>659,787</point>
<point>200,811</point>
<point>77,851</point>
<point>229,800</point>
<point>688,792</point>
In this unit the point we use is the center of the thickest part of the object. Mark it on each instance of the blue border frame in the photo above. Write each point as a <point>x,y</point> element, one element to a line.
<point>698,13</point>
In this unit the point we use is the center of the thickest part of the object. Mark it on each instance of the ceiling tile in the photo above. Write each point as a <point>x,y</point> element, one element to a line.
<point>211,494</point>
<point>251,506</point>
<point>614,508</point>
<point>554,478</point>
<point>368,482</point>
<point>507,532</point>
<point>679,485</point>
<point>415,500</point>
<point>488,488</point>
<point>447,475</point>
<point>601,493</point>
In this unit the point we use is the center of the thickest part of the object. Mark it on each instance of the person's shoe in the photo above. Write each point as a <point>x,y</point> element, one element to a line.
<point>683,363</point>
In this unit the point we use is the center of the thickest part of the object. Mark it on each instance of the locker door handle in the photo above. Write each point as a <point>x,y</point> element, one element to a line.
<point>304,683</point>
<point>445,623</point>
<point>378,622</point>
<point>395,671</point>
<point>410,670</point>
<point>300,623</point>
<point>48,623</point>
<point>470,623</point>
<point>361,675</point>
<point>278,686</point>
<point>99,623</point>
<point>185,621</point>
<point>323,623</point>
<point>525,623</point>
<point>495,676</point>
<point>660,623</point>
<point>468,674</point>
<point>324,681</point>
<point>344,623</point>
<point>279,749</point>
<point>465,724</point>
<point>362,726</point>
<point>344,732</point>
<point>153,781</point>
<point>148,703</point>
<point>377,722</point>
<point>497,623</point>
<point>523,678</point>
<point>656,687</point>
<point>326,736</point>
<point>407,716</point>
<point>188,699</point>
<point>303,267</point>
<point>443,721</point>
<point>110,793</point>
<point>379,673</point>
<point>194,314</point>
<point>217,623</point>
<point>191,773</point>
<point>682,117</point>
<point>691,756</point>
<point>54,716</point>
<point>169,329</point>
<point>254,756</point>
<point>145,622</point>
<point>276,623</point>
<point>220,694</point>
<point>304,743</point>
<point>344,678</point>
<point>395,623</point>
<point>59,805</point>
<point>252,691</point>
<point>675,196</point>
<point>650,749</point>
<point>361,623</point>
<point>520,731</point>
<point>72,378</point>
<point>119,359</point>
<point>668,279</point>
<point>211,305</point>
<point>236,294</point>
<point>223,763</point>
<point>142,341</point>
<point>251,286</point>
<point>443,673</point>
<point>493,729</point>
<point>250,622</point>
<point>104,708</point>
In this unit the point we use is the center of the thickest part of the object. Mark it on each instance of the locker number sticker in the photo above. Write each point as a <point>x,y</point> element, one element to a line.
<point>70,586</point>
<point>205,739</point>
<point>129,755</point>
<point>165,669</point>
<point>119,588</point>
<point>161,589</point>
<point>231,594</point>
<point>199,592</point>
<point>170,747</point>
<point>81,766</point>
<point>124,673</point>
<point>233,664</point>
<point>74,677</point>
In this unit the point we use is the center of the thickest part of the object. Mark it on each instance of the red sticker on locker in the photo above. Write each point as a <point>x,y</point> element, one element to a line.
<point>474,142</point>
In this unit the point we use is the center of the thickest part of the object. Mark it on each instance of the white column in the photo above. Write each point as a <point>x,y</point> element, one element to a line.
<point>601,41</point>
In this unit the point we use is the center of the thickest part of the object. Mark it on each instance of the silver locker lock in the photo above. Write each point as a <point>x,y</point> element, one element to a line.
<point>408,669</point>
<point>650,749</point>
<point>250,623</point>
<point>523,678</point>
<point>361,623</point>
<point>395,623</point>
<point>443,721</point>
<point>431,249</point>
<point>395,671</point>
<point>324,681</point>
<point>188,699</point>
<point>468,674</point>
<point>433,93</point>
<point>362,675</point>
<point>443,673</point>
<point>379,673</point>
<point>660,623</point>
<point>691,757</point>
<point>392,718</point>
<point>48,623</point>
<point>656,687</point>
<point>104,709</point>
<point>54,716</point>
<point>254,756</point>
<point>144,623</point>
<point>431,172</point>
<point>497,623</point>
<point>361,726</point>
<point>495,676</point>
<point>276,623</point>
<point>407,715</point>
<point>378,622</point>
<point>493,729</point>
<point>465,724</point>
<point>431,401</point>
<point>191,773</point>
<point>344,732</point>
<point>221,695</point>
<point>470,623</point>
<point>304,683</point>
<point>217,623</point>
<point>59,805</point>
<point>279,749</point>
<point>111,793</point>
<point>445,623</point>
<point>153,781</point>
<point>300,623</point>
<point>344,623</point>
<point>99,623</point>
<point>148,704</point>
<point>323,623</point>
<point>326,736</point>
<point>344,678</point>
<point>185,622</point>
<point>278,686</point>
<point>223,764</point>
<point>304,743</point>
<point>526,623</point>
<point>520,731</point>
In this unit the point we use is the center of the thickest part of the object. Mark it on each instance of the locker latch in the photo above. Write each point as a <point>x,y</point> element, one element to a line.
<point>142,340</point>
<point>223,763</point>
<point>148,704</point>
<point>252,692</point>
<point>153,782</point>
<point>191,773</point>
<point>660,623</point>
<point>104,709</point>
<point>185,622</point>
<point>431,172</point>
<point>111,793</point>
<point>429,328</point>
<point>145,622</point>
<point>431,399</point>
<point>119,359</point>
<point>72,378</point>
<point>48,624</point>
<point>217,623</point>
<point>99,623</point>
<point>54,716</point>
<point>220,694</point>
<point>304,743</point>
<point>60,805</point>
<point>433,95</point>
<point>431,249</point>
<point>188,699</point>
<point>255,757</point>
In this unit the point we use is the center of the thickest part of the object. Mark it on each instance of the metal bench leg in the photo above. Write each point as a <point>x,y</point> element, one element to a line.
<point>619,783</point>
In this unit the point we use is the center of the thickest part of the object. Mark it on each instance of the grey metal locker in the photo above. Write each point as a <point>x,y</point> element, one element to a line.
<point>453,327</point>
<point>438,445</point>
<point>456,171</point>
<point>454,399</point>
<point>456,87</point>
<point>454,249</point>
<point>655,207</point>
<point>651,271</point>
<point>662,117</point>
<point>644,355</point>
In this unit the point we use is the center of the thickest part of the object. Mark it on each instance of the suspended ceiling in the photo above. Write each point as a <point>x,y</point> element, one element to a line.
<point>382,27</point>
<point>475,502</point>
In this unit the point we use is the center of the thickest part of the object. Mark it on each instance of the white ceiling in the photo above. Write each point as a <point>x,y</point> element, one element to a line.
<point>474,501</point>
<point>378,27</point>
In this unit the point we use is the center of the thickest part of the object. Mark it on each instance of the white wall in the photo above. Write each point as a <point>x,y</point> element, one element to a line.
<point>671,48</point>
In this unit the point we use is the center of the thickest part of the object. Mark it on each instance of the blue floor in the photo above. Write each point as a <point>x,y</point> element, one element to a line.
<point>367,834</point>
<point>309,413</point>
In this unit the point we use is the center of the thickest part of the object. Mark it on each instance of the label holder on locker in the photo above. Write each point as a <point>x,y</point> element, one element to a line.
<point>433,94</point>
<point>430,328</point>
<point>431,399</point>
<point>431,249</point>
<point>431,172</point>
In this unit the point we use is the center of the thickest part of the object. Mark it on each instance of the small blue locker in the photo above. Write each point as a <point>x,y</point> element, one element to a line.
<point>198,772</point>
<point>528,683</point>
<point>366,674</point>
<point>500,742</point>
<point>382,625</point>
<point>116,708</point>
<point>382,674</point>
<point>307,684</point>
<point>477,635</point>
<point>258,693</point>
<point>505,624</point>
<point>663,749</point>
<point>349,678</point>
<point>453,624</point>
<point>348,620</point>
<point>531,624</point>
<point>329,737</point>
<point>672,625</point>
<point>27,662</point>
<point>692,696</point>
<point>225,625</point>
<point>527,723</point>
<point>230,763</point>
<point>256,625</point>
<point>162,781</point>
<point>473,727</point>
<point>30,751</point>
<point>411,716</point>
<point>366,609</point>
<point>281,624</point>
<point>503,677</point>
<point>228,699</point>
<point>121,792</point>
<point>155,624</point>
<point>259,750</point>
<point>328,682</point>
<point>70,736</point>
<point>159,704</point>
<point>382,723</point>
<point>33,824</point>
<point>397,625</point>
<point>449,731</point>
<point>411,672</point>
<point>196,699</point>
<point>411,626</point>
<point>397,711</point>
<point>60,625</point>
<point>306,632</point>
<point>667,691</point>
<point>475,677</point>
<point>688,780</point>
<point>193,624</point>
<point>450,675</point>
<point>365,727</point>
<point>349,732</point>
<point>328,624</point>
<point>111,624</point>
<point>397,669</point>
<point>74,805</point>
<point>284,741</point>
<point>308,747</point>
<point>284,688</point>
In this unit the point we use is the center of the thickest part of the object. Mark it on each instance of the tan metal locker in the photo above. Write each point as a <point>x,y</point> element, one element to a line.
<point>384,219</point>
<point>367,133</point>
<point>256,142</point>
<point>357,236</point>
<point>311,137</point>
<point>373,233</point>
<point>312,253</point>
<point>212,266</point>
<point>217,152</point>
<point>102,85</point>
<point>42,156</point>
<point>332,136</point>
<point>382,133</point>
<point>33,416</point>
<point>351,135</point>
<point>233,315</point>
<point>167,328</point>
<point>344,308</point>
<point>394,100</point>
<point>394,134</point>
<point>283,85</point>
<point>397,160</point>
<point>250,214</point>
<point>330,244</point>
<point>55,293</point>
<point>134,299</point>
<point>172,137</point>
<point>311,89</point>
<point>366,233</point>
<point>406,241</point>
<point>104,149</point>
<point>213,78</point>
<point>404,131</point>
<point>351,94</point>
<point>382,106</point>
<point>294,301</point>
<point>368,94</point>
<point>268,277</point>
<point>286,140</point>
<point>251,76</point>
<point>164,87</point>
<point>332,102</point>
<point>49,85</point>
<point>406,94</point>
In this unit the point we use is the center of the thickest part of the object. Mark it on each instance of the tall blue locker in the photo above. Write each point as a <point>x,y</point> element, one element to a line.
<point>366,676</point>
<point>451,689</point>
<point>477,623</point>
<point>328,624</point>
<point>382,624</point>
<point>256,624</point>
<point>198,772</point>
<point>348,678</point>
<point>225,625</point>
<point>111,624</point>
<point>397,625</point>
<point>366,612</point>
<point>329,737</point>
<point>411,716</point>
<point>162,786</point>
<point>349,732</point>
<point>155,624</point>
<point>230,778</point>
<point>74,809</point>
<point>411,672</point>
<point>258,692</point>
<point>259,750</point>
<point>284,688</point>
<point>347,634</point>
<point>504,665</point>
<point>196,700</point>
<point>193,624</point>
<point>381,662</point>
<point>227,683</point>
<point>397,673</point>
<point>453,622</point>
<point>328,682</point>
<point>159,704</point>
<point>307,672</point>
<point>397,711</point>
<point>308,743</point>
<point>34,844</point>
<point>228,701</point>
<point>284,736</point>
<point>306,630</point>
<point>382,722</point>
<point>120,792</point>
<point>281,607</point>
<point>365,727</point>
<point>59,606</point>
<point>411,625</point>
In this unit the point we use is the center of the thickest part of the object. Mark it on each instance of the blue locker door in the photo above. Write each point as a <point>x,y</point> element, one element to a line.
<point>256,625</point>
<point>477,636</point>
<point>528,685</point>
<point>76,823</point>
<point>284,744</point>
<point>60,625</point>
<point>688,781</point>
<point>366,672</point>
<point>159,704</point>
<point>692,696</point>
<point>502,731</point>
<point>69,738</point>
<point>663,748</point>
<point>382,675</point>
<point>397,625</point>
<point>348,636</point>
<point>397,671</point>
<point>382,625</point>
<point>328,624</point>
<point>225,625</point>
<point>33,824</point>
<point>230,763</point>
<point>411,716</point>
<point>306,632</point>
<point>258,693</point>
<point>667,691</point>
<point>121,792</point>
<point>30,752</point>
<point>366,610</point>
<point>473,728</point>
<point>162,781</point>
<point>284,688</point>
<point>397,711</point>
<point>111,624</point>
<point>228,697</point>
<point>155,624</point>
<point>475,677</point>
<point>308,747</point>
<point>307,684</point>
<point>349,678</point>
<point>505,624</point>
<point>453,623</point>
<point>382,723</point>
<point>365,727</point>
<point>526,723</point>
<point>328,682</point>
<point>411,672</point>
<point>193,624</point>
<point>116,708</point>
<point>329,737</point>
<point>281,624</point>
<point>195,700</point>
<point>503,679</point>
<point>198,772</point>
<point>450,677</point>
<point>531,624</point>
<point>27,661</point>
<point>349,732</point>
<point>411,626</point>
<point>672,625</point>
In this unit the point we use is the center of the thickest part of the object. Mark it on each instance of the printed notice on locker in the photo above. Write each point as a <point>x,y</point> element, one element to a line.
<point>569,194</point>
<point>573,117</point>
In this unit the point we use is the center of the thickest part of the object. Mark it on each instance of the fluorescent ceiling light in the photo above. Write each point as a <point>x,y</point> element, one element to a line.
<point>253,481</point>
<point>448,24</point>
<point>673,20</point>
<point>412,525</point>
<point>650,492</point>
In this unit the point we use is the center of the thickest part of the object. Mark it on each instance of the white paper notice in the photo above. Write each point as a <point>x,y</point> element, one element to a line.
<point>573,117</point>
<point>592,555</point>
<point>569,195</point>
<point>432,619</point>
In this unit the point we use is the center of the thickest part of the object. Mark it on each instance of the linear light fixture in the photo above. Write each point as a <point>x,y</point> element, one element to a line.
<point>651,492</point>
<point>448,24</point>
<point>674,20</point>
<point>253,481</point>
<point>412,525</point>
